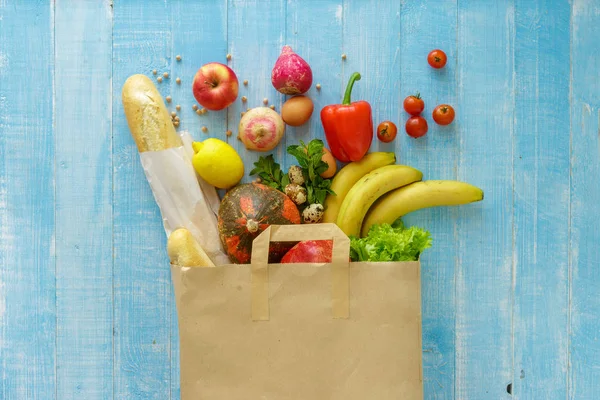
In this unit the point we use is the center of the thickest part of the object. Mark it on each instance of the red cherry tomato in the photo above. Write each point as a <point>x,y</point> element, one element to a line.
<point>443,114</point>
<point>416,127</point>
<point>386,131</point>
<point>437,58</point>
<point>414,104</point>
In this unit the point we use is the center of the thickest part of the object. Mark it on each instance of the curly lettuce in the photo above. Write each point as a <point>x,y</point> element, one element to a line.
<point>387,242</point>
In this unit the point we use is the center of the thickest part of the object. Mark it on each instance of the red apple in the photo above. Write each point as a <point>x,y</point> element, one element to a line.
<point>309,251</point>
<point>215,86</point>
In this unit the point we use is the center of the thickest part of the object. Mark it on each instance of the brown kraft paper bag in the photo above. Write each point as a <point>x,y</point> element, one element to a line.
<point>339,331</point>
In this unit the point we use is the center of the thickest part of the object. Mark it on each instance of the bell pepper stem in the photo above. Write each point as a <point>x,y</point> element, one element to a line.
<point>353,78</point>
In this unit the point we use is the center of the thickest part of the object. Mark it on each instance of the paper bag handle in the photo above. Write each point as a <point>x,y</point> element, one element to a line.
<point>340,303</point>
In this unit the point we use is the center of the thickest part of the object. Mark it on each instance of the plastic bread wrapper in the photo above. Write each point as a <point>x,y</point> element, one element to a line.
<point>185,200</point>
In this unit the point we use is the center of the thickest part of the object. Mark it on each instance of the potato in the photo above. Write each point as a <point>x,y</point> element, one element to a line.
<point>297,110</point>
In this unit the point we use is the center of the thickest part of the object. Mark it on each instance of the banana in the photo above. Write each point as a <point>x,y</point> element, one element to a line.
<point>348,176</point>
<point>368,189</point>
<point>415,196</point>
<point>185,251</point>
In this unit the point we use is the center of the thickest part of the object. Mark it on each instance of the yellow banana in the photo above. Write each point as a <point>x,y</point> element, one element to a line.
<point>415,196</point>
<point>348,176</point>
<point>368,189</point>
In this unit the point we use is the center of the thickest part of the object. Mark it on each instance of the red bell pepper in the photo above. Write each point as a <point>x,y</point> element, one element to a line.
<point>348,126</point>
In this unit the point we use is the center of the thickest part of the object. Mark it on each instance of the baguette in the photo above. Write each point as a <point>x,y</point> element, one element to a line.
<point>148,118</point>
<point>185,251</point>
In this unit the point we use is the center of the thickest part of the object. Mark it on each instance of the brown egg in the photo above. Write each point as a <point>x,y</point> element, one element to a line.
<point>330,160</point>
<point>297,110</point>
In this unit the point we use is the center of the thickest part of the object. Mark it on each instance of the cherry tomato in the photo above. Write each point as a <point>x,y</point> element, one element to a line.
<point>386,131</point>
<point>416,127</point>
<point>443,114</point>
<point>437,58</point>
<point>414,104</point>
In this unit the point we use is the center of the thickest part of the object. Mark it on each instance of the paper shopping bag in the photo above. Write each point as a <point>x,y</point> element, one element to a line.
<point>338,331</point>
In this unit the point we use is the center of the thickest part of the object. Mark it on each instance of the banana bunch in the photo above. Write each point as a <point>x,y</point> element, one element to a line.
<point>374,191</point>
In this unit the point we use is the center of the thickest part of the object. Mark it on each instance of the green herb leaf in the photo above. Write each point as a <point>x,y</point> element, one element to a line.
<point>310,194</point>
<point>269,172</point>
<point>311,172</point>
<point>321,167</point>
<point>315,147</point>
<point>298,152</point>
<point>320,195</point>
<point>309,159</point>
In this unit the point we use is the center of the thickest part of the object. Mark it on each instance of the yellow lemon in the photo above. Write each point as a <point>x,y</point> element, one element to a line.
<point>217,163</point>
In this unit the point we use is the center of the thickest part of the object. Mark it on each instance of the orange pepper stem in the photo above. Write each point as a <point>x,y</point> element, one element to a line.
<point>353,78</point>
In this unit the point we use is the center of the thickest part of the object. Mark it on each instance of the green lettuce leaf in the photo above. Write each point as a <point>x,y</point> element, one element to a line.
<point>387,242</point>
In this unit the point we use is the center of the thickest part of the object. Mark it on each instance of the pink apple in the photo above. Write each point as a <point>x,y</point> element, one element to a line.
<point>215,86</point>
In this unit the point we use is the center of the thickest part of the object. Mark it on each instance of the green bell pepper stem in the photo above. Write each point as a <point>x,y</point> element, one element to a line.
<point>353,78</point>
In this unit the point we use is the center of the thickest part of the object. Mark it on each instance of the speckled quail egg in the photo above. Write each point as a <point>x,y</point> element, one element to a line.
<point>296,192</point>
<point>313,213</point>
<point>295,174</point>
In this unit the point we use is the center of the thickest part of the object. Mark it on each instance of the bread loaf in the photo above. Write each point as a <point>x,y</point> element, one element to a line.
<point>185,251</point>
<point>148,118</point>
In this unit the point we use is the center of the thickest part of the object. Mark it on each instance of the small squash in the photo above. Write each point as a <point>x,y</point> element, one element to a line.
<point>246,211</point>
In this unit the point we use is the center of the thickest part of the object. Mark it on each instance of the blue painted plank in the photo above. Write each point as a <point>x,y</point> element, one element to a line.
<point>255,33</point>
<point>416,76</point>
<point>84,345</point>
<point>303,19</point>
<point>142,283</point>
<point>541,198</point>
<point>584,350</point>
<point>436,154</point>
<point>199,36</point>
<point>27,263</point>
<point>484,288</point>
<point>372,47</point>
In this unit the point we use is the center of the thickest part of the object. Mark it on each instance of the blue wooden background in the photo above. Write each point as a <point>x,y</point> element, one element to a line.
<point>511,286</point>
